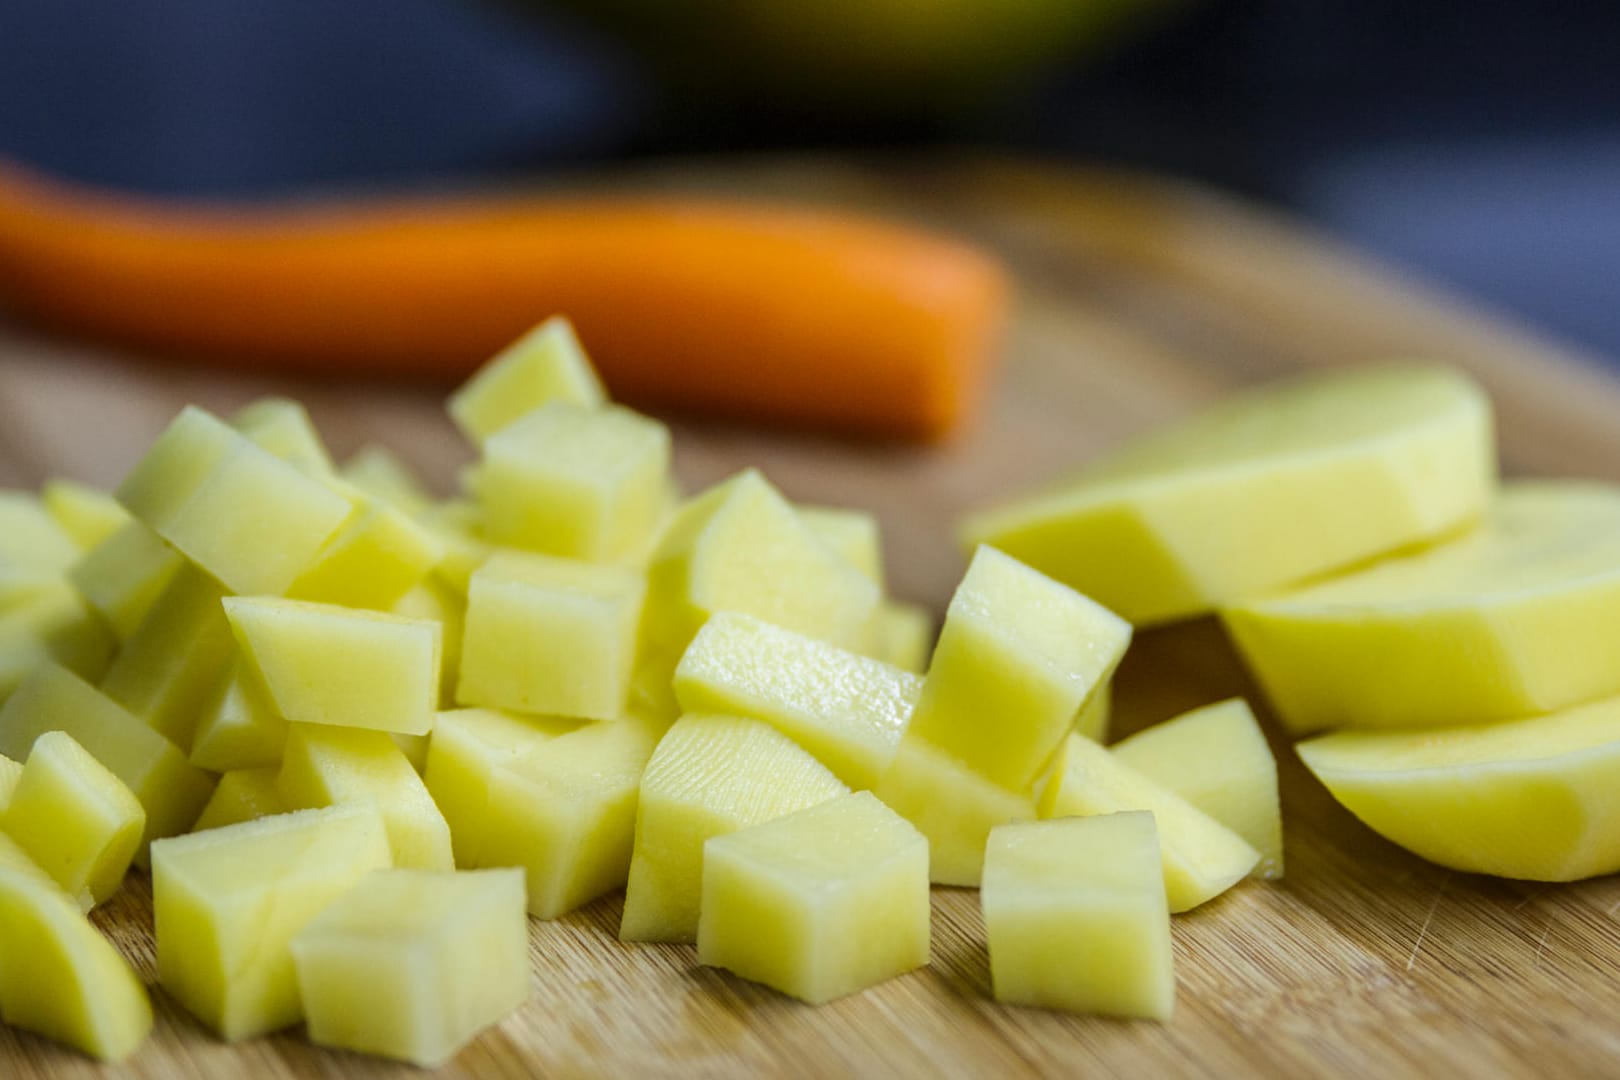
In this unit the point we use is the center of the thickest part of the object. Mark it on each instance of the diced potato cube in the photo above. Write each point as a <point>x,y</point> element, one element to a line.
<point>902,635</point>
<point>1018,657</point>
<point>466,748</point>
<point>228,902</point>
<point>172,664</point>
<point>242,514</point>
<point>950,804</point>
<point>1075,914</point>
<point>1093,719</point>
<point>412,965</point>
<point>546,364</point>
<point>436,600</point>
<point>61,977</point>
<point>378,471</point>
<point>740,546</point>
<point>847,710</point>
<point>283,427</point>
<point>243,795</point>
<point>853,534</point>
<point>566,813</point>
<point>1202,858</point>
<point>1217,759</point>
<point>240,728</point>
<point>331,766</point>
<point>819,903</point>
<point>458,526</point>
<point>171,790</point>
<point>54,626</point>
<point>415,749</point>
<point>551,636</point>
<point>323,664</point>
<point>88,515</point>
<point>123,576</point>
<point>710,775</point>
<point>74,818</point>
<point>34,550</point>
<point>377,556</point>
<point>576,482</point>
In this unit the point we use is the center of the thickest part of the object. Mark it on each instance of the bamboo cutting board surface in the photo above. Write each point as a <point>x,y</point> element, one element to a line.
<point>1139,300</point>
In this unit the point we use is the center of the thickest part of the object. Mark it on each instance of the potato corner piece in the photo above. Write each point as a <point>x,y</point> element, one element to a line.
<point>170,789</point>
<point>52,626</point>
<point>123,576</point>
<point>239,727</point>
<point>1265,489</point>
<point>76,820</point>
<point>376,556</point>
<point>1018,657</point>
<point>1202,858</point>
<point>550,636</point>
<point>1217,758</point>
<point>242,514</point>
<point>1075,916</point>
<point>243,795</point>
<point>283,427</point>
<point>902,635</point>
<point>88,515</point>
<point>1518,617</point>
<point>853,534</point>
<point>228,902</point>
<point>413,964</point>
<point>34,548</point>
<point>324,664</point>
<point>575,482</point>
<point>709,776</point>
<point>1531,799</point>
<point>819,903</point>
<point>382,474</point>
<point>61,977</point>
<point>546,364</point>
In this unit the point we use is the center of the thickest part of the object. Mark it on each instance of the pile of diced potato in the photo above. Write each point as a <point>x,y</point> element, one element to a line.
<point>356,733</point>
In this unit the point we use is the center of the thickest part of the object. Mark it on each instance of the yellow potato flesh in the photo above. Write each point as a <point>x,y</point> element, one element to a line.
<point>242,795</point>
<point>228,902</point>
<point>853,534</point>
<point>123,576</point>
<point>1201,857</point>
<point>377,556</point>
<point>1519,617</point>
<point>240,728</point>
<point>283,427</point>
<point>333,766</point>
<point>1533,799</point>
<point>437,601</point>
<point>52,626</point>
<point>88,515</point>
<point>903,635</point>
<point>546,364</point>
<point>34,549</point>
<point>847,710</point>
<point>1075,916</point>
<point>324,664</point>
<point>1094,716</point>
<point>819,903</point>
<point>1217,759</point>
<point>378,471</point>
<point>1017,658</point>
<point>10,773</point>
<point>710,775</point>
<point>1264,490</point>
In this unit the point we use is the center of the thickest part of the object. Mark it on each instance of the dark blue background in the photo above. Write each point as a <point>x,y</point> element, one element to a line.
<point>1479,142</point>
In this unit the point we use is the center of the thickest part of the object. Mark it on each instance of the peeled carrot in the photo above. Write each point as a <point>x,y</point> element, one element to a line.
<point>774,313</point>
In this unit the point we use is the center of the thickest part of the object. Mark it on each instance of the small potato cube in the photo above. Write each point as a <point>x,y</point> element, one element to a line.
<point>331,766</point>
<point>61,977</point>
<point>74,818</point>
<point>458,527</point>
<point>575,482</point>
<point>710,775</point>
<point>243,795</point>
<point>1095,715</point>
<point>52,626</point>
<point>323,664</point>
<point>550,636</point>
<point>88,515</point>
<point>123,576</point>
<point>847,710</point>
<point>466,748</point>
<point>34,549</point>
<point>240,728</point>
<point>412,965</point>
<point>170,667</point>
<point>1075,915</point>
<point>436,600</point>
<point>545,364</point>
<point>1018,657</point>
<point>853,534</point>
<point>236,510</point>
<point>950,804</point>
<point>171,790</point>
<point>819,903</point>
<point>565,812</point>
<point>378,471</point>
<point>902,635</point>
<point>283,427</point>
<point>228,902</point>
<point>377,556</point>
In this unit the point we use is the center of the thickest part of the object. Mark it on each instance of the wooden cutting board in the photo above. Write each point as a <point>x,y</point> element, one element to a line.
<point>1140,300</point>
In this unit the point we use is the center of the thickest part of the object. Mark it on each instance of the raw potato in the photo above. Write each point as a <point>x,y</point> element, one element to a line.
<point>903,635</point>
<point>242,795</point>
<point>819,903</point>
<point>546,364</point>
<point>378,554</point>
<point>283,427</point>
<point>853,534</point>
<point>89,516</point>
<point>412,965</point>
<point>378,472</point>
<point>123,576</point>
<point>239,728</point>
<point>1532,799</point>
<point>1217,759</point>
<point>1264,490</point>
<point>1202,858</point>
<point>1520,617</point>
<point>1075,914</point>
<point>52,626</point>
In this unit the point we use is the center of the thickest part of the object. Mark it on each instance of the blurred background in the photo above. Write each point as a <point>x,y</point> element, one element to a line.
<point>1476,142</point>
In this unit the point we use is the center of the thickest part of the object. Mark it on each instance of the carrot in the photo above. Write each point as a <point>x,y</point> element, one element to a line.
<point>767,312</point>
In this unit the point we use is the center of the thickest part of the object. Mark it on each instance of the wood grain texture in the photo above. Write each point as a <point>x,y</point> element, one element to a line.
<point>1139,300</point>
